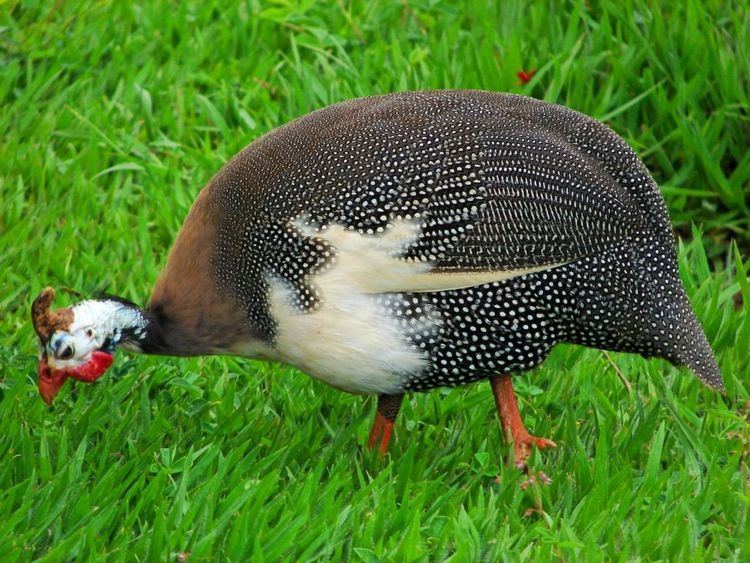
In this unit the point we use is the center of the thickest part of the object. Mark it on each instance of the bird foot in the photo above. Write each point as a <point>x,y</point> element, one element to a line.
<point>522,445</point>
<point>515,431</point>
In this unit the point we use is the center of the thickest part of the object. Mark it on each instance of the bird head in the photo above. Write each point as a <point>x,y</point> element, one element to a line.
<point>78,341</point>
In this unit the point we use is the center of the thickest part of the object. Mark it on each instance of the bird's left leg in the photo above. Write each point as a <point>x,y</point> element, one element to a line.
<point>513,428</point>
<point>388,407</point>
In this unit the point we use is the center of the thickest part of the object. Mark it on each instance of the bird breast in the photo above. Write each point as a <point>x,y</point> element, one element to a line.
<point>349,340</point>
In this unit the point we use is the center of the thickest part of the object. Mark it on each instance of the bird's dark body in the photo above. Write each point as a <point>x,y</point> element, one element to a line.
<point>497,182</point>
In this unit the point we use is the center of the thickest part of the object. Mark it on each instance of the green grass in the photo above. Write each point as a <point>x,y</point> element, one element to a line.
<point>112,118</point>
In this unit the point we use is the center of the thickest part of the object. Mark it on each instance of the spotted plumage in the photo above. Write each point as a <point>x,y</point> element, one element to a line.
<point>493,183</point>
<point>403,242</point>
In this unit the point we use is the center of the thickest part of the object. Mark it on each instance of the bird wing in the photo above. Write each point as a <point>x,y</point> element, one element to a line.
<point>427,192</point>
<point>459,209</point>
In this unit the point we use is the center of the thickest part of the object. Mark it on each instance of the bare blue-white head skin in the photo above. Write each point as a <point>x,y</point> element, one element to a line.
<point>403,242</point>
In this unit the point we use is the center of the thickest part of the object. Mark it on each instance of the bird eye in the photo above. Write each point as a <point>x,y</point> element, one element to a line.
<point>89,333</point>
<point>67,353</point>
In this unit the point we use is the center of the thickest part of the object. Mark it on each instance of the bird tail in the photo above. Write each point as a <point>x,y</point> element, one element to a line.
<point>694,351</point>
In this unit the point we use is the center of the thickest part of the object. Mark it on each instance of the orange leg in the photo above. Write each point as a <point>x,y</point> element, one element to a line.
<point>388,407</point>
<point>510,418</point>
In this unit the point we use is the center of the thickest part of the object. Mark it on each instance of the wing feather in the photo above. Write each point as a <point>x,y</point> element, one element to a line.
<point>486,204</point>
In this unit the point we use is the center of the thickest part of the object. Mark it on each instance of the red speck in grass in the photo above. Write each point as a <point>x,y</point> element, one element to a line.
<point>524,76</point>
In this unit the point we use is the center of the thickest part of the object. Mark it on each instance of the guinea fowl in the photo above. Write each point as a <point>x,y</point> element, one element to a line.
<point>404,242</point>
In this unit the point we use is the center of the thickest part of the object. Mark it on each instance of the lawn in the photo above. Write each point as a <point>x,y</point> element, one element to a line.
<point>114,115</point>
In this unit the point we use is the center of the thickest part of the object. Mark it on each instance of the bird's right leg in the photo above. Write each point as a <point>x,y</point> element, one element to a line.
<point>388,407</point>
<point>513,428</point>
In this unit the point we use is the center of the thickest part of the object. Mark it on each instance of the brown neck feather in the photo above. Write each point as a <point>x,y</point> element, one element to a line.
<point>187,314</point>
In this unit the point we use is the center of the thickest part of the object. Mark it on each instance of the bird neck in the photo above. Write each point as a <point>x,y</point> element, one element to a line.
<point>171,333</point>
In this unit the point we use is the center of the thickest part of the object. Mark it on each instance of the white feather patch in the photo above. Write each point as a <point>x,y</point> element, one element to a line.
<point>374,263</point>
<point>348,342</point>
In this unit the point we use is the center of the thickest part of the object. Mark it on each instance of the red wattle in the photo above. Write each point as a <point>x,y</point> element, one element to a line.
<point>94,368</point>
<point>43,369</point>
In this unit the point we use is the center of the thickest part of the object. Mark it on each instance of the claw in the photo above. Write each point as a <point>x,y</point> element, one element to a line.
<point>522,447</point>
<point>540,476</point>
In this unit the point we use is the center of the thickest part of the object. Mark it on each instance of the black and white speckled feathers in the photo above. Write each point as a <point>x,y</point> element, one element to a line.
<point>503,225</point>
